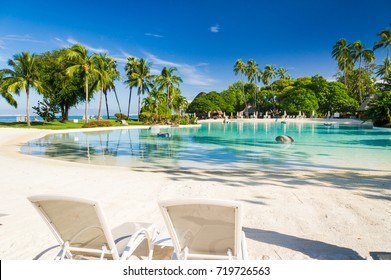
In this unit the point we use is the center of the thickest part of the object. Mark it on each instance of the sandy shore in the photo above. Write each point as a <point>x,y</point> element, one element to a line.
<point>292,215</point>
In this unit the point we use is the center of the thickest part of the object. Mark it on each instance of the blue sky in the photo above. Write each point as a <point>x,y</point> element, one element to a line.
<point>203,39</point>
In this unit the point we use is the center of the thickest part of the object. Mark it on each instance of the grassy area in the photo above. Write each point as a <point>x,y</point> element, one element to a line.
<point>56,125</point>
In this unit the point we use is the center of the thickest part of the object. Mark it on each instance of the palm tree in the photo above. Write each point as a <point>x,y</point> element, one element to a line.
<point>142,78</point>
<point>268,74</point>
<point>179,102</point>
<point>240,67</point>
<point>384,71</point>
<point>107,73</point>
<point>22,77</point>
<point>169,82</point>
<point>84,64</point>
<point>130,67</point>
<point>282,73</point>
<point>342,54</point>
<point>384,42</point>
<point>156,97</point>
<point>253,75</point>
<point>360,54</point>
<point>5,94</point>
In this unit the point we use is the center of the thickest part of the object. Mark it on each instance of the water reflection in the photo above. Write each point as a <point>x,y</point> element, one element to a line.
<point>230,145</point>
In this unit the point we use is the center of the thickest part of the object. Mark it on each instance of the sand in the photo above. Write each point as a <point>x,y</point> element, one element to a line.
<point>333,214</point>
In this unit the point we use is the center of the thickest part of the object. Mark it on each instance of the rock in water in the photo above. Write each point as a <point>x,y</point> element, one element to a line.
<point>284,139</point>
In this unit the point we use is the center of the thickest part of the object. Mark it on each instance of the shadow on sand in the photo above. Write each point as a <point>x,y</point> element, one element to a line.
<point>312,248</point>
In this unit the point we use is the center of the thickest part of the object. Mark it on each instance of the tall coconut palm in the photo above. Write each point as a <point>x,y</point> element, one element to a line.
<point>384,42</point>
<point>107,74</point>
<point>268,74</point>
<point>168,82</point>
<point>253,75</point>
<point>22,77</point>
<point>282,73</point>
<point>240,67</point>
<point>360,54</point>
<point>142,78</point>
<point>84,64</point>
<point>342,54</point>
<point>131,64</point>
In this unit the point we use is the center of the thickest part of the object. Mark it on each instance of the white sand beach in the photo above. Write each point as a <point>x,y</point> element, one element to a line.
<point>289,215</point>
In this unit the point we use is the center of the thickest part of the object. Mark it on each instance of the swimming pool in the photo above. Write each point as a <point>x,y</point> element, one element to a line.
<point>235,145</point>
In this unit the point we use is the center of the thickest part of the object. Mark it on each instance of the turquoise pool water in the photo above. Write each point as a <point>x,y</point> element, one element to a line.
<point>248,146</point>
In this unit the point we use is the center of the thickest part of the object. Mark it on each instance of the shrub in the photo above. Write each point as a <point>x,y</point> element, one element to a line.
<point>100,123</point>
<point>120,116</point>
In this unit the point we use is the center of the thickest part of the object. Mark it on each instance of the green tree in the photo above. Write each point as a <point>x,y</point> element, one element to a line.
<point>268,74</point>
<point>240,67</point>
<point>5,94</point>
<point>360,54</point>
<point>253,75</point>
<point>142,78</point>
<point>82,64</point>
<point>380,109</point>
<point>107,73</point>
<point>300,99</point>
<point>131,65</point>
<point>22,77</point>
<point>384,71</point>
<point>201,105</point>
<point>168,82</point>
<point>283,73</point>
<point>234,97</point>
<point>179,102</point>
<point>58,87</point>
<point>384,41</point>
<point>152,103</point>
<point>341,52</point>
<point>339,100</point>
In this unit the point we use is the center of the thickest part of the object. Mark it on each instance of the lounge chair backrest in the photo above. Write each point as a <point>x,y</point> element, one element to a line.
<point>204,227</point>
<point>78,222</point>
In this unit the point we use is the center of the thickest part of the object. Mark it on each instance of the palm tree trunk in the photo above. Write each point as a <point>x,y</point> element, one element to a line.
<point>27,105</point>
<point>100,104</point>
<point>116,97</point>
<point>130,98</point>
<point>139,103</point>
<point>168,96</point>
<point>359,81</point>
<point>244,96</point>
<point>86,108</point>
<point>107,105</point>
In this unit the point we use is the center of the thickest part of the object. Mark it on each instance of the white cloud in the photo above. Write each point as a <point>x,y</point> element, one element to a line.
<point>20,38</point>
<point>95,50</point>
<point>154,35</point>
<point>191,74</point>
<point>215,28</point>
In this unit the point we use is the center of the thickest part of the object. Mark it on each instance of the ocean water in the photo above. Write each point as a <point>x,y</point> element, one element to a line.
<point>240,146</point>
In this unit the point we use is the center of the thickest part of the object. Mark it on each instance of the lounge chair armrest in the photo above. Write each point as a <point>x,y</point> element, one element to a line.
<point>136,239</point>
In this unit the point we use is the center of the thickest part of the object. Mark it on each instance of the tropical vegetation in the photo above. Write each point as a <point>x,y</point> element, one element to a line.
<point>69,77</point>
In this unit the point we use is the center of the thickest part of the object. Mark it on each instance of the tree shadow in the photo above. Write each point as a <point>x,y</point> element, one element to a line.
<point>380,255</point>
<point>312,248</point>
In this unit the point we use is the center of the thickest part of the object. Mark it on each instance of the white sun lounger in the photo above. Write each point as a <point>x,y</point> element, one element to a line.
<point>82,232</point>
<point>205,229</point>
